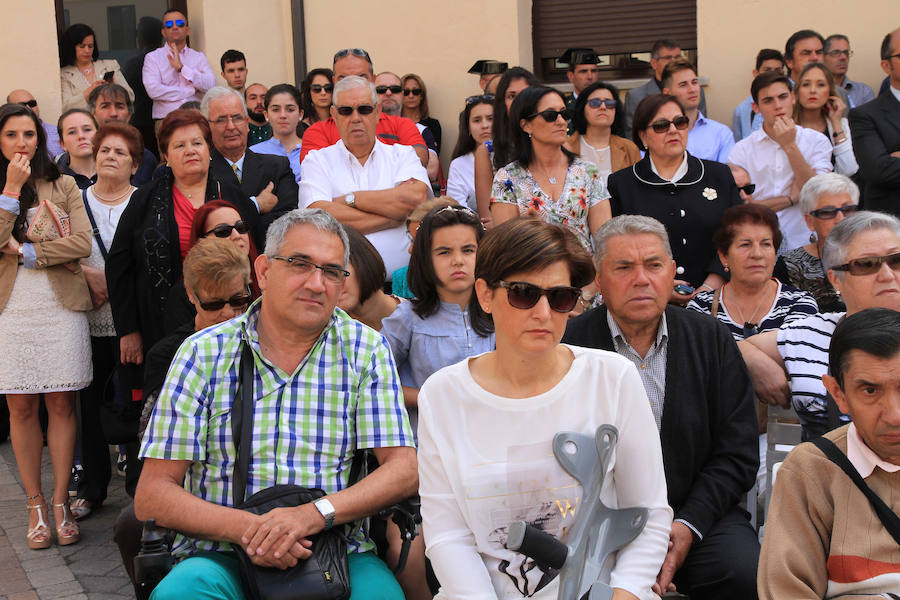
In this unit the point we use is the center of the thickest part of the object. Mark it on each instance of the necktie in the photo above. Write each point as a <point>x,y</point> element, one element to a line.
<point>237,173</point>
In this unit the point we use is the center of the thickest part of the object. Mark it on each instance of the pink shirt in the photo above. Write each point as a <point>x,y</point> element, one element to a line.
<point>168,88</point>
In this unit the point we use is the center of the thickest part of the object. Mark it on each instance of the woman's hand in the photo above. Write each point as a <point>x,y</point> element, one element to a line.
<point>17,173</point>
<point>837,110</point>
<point>11,247</point>
<point>681,299</point>
<point>92,87</point>
<point>131,349</point>
<point>96,280</point>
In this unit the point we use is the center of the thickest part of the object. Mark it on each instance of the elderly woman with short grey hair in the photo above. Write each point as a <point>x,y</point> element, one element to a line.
<point>861,256</point>
<point>825,200</point>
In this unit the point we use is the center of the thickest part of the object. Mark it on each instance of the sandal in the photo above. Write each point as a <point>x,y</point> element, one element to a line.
<point>38,536</point>
<point>81,508</point>
<point>67,531</point>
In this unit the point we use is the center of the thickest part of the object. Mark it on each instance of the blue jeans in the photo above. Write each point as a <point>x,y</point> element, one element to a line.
<point>215,576</point>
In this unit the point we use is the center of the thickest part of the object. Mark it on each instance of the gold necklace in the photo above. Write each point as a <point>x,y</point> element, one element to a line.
<point>755,310</point>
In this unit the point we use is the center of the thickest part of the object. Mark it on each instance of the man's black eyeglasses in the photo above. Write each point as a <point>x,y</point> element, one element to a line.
<point>363,109</point>
<point>487,98</point>
<point>29,103</point>
<point>383,89</point>
<point>550,115</point>
<point>524,295</point>
<point>827,213</point>
<point>177,22</point>
<point>748,189</point>
<point>662,126</point>
<point>301,266</point>
<point>413,91</point>
<point>869,265</point>
<point>598,102</point>
<point>317,88</point>
<point>223,230</point>
<point>236,301</point>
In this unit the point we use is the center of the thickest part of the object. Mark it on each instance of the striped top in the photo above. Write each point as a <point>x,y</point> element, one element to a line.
<point>803,346</point>
<point>790,304</point>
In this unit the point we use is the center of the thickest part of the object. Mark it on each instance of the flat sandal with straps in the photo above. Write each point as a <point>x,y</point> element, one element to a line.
<point>67,530</point>
<point>38,536</point>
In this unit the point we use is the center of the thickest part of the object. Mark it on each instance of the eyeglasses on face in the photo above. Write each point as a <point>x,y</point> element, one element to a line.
<point>827,213</point>
<point>223,230</point>
<point>598,102</point>
<point>413,91</point>
<point>29,103</point>
<point>551,115</point>
<point>748,189</point>
<point>363,109</point>
<point>486,98</point>
<point>523,295</point>
<point>870,265</point>
<point>223,120</point>
<point>836,53</point>
<point>359,52</point>
<point>680,122</point>
<point>384,89</point>
<point>175,23</point>
<point>303,267</point>
<point>236,301</point>
<point>318,88</point>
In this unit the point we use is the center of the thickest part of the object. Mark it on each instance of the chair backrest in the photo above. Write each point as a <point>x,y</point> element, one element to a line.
<point>783,433</point>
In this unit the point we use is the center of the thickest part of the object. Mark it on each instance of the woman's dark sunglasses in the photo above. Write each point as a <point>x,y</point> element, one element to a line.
<point>550,115</point>
<point>382,89</point>
<point>525,295</point>
<point>238,301</point>
<point>827,213</point>
<point>663,125</point>
<point>486,98</point>
<point>363,109</point>
<point>413,91</point>
<point>870,265</point>
<point>223,230</point>
<point>317,88</point>
<point>598,102</point>
<point>29,103</point>
<point>748,189</point>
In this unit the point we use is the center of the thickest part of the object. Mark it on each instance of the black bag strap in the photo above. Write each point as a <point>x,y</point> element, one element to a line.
<point>94,229</point>
<point>889,518</point>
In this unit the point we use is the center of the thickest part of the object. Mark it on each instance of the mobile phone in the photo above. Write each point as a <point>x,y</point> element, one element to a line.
<point>684,289</point>
<point>108,76</point>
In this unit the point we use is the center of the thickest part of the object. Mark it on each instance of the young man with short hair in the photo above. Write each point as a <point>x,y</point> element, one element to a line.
<point>234,69</point>
<point>745,121</point>
<point>707,139</point>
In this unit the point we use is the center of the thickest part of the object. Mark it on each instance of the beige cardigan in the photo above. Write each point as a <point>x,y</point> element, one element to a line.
<point>73,82</point>
<point>622,153</point>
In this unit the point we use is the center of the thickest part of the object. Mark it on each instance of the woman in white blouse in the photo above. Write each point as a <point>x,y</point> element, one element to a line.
<point>486,427</point>
<point>82,70</point>
<point>474,129</point>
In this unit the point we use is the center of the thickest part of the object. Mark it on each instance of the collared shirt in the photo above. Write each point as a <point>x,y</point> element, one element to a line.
<point>343,396</point>
<point>273,146</point>
<point>169,88</point>
<point>895,92</point>
<point>258,133</point>
<point>334,171</point>
<point>864,458</point>
<point>680,172</point>
<point>651,368</point>
<point>710,140</point>
<point>745,121</point>
<point>859,93</point>
<point>53,146</point>
<point>770,169</point>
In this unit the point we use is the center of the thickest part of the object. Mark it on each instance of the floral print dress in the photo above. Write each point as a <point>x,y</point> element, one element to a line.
<point>583,189</point>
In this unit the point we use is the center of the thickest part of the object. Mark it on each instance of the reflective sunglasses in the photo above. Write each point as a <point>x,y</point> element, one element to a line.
<point>525,295</point>
<point>827,213</point>
<point>223,230</point>
<point>363,109</point>
<point>550,115</point>
<point>748,189</point>
<point>598,102</point>
<point>178,22</point>
<point>237,301</point>
<point>413,91</point>
<point>383,89</point>
<point>303,267</point>
<point>29,103</point>
<point>663,125</point>
<point>870,264</point>
<point>487,98</point>
<point>318,88</point>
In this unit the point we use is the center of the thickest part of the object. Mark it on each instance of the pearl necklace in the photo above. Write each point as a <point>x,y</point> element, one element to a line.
<point>114,199</point>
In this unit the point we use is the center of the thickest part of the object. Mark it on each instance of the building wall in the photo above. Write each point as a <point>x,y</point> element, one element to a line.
<point>729,34</point>
<point>437,40</point>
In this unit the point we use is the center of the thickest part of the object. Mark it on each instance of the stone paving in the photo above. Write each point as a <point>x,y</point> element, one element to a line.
<point>92,568</point>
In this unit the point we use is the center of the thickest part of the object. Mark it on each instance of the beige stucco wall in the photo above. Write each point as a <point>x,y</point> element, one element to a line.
<point>729,34</point>
<point>437,40</point>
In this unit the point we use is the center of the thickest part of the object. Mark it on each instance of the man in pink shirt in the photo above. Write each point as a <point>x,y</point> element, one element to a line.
<point>175,74</point>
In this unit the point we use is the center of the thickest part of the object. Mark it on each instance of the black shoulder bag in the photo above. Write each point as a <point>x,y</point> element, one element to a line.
<point>323,576</point>
<point>889,518</point>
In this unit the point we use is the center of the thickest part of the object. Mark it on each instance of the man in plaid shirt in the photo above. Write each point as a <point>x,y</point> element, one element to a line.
<point>324,385</point>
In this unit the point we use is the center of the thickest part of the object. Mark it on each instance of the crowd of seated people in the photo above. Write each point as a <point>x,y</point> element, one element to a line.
<point>595,261</point>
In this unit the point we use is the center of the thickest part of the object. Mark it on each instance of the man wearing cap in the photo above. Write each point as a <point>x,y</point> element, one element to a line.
<point>486,70</point>
<point>582,71</point>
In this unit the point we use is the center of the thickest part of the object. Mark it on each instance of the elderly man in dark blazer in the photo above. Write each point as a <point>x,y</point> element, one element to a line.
<point>266,178</point>
<point>875,128</point>
<point>702,400</point>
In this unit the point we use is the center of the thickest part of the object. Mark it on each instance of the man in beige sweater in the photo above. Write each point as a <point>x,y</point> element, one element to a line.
<point>823,538</point>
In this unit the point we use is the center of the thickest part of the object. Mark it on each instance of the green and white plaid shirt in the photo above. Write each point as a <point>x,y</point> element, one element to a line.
<point>307,424</point>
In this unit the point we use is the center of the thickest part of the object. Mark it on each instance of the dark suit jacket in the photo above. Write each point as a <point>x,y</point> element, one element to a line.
<point>709,428</point>
<point>875,127</point>
<point>258,170</point>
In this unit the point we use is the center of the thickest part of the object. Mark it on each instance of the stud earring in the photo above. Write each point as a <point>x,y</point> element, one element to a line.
<point>812,238</point>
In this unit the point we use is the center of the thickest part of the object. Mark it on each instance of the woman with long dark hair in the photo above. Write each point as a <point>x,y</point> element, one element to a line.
<point>43,327</point>
<point>316,91</point>
<point>475,123</point>
<point>82,70</point>
<point>415,105</point>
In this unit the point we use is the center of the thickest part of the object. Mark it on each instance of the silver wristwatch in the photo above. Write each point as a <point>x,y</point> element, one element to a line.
<point>327,511</point>
<point>350,200</point>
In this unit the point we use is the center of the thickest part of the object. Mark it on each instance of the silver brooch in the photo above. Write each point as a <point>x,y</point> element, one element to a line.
<point>710,194</point>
